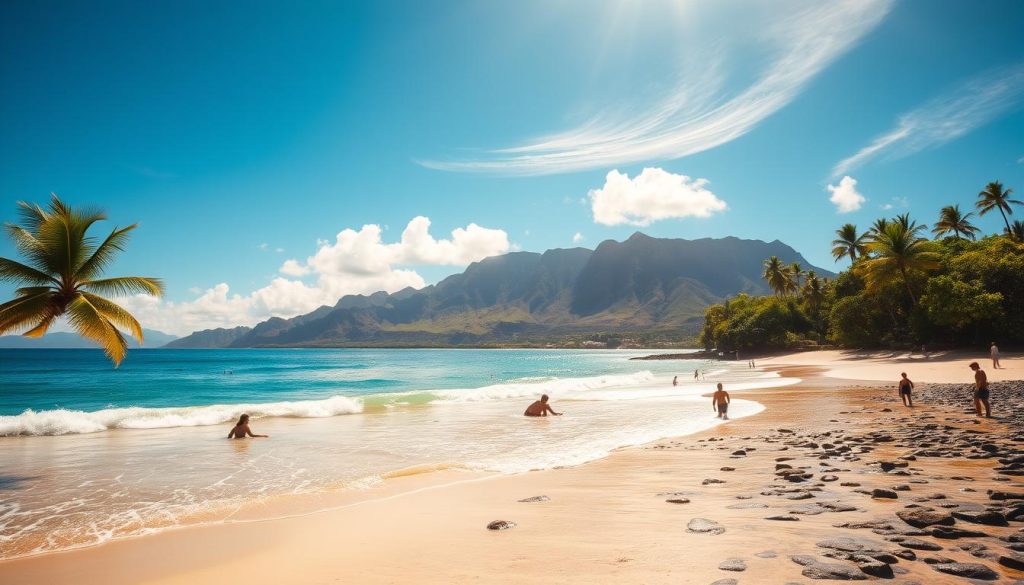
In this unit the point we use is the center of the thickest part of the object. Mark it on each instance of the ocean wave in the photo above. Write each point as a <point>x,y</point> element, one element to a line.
<point>563,388</point>
<point>72,422</point>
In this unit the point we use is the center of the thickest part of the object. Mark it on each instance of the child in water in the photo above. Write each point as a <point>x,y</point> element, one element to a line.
<point>242,429</point>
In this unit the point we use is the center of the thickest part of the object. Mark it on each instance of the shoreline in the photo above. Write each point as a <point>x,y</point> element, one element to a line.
<point>541,525</point>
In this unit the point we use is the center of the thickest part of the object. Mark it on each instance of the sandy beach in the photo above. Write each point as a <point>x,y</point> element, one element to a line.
<point>810,488</point>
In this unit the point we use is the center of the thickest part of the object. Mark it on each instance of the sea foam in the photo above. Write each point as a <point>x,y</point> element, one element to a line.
<point>70,422</point>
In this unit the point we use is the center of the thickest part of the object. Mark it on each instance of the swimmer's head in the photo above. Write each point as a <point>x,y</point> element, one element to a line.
<point>244,419</point>
<point>719,385</point>
<point>543,397</point>
<point>974,366</point>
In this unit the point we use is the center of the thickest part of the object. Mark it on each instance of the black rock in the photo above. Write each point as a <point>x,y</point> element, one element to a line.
<point>922,518</point>
<point>968,570</point>
<point>1012,561</point>
<point>884,493</point>
<point>501,525</point>
<point>986,517</point>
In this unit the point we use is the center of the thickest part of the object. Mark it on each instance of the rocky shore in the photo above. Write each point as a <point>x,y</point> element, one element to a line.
<point>934,526</point>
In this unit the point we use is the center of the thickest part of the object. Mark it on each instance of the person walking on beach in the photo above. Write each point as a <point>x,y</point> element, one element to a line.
<point>540,408</point>
<point>241,429</point>
<point>905,387</point>
<point>720,402</point>
<point>994,353</point>
<point>696,374</point>
<point>675,380</point>
<point>981,390</point>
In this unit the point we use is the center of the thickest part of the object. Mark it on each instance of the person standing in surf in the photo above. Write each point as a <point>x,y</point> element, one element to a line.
<point>720,402</point>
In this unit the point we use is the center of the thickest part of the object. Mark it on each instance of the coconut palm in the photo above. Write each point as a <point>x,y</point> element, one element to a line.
<point>62,277</point>
<point>1016,231</point>
<point>896,252</point>
<point>993,196</point>
<point>813,290</point>
<point>849,243</point>
<point>878,227</point>
<point>794,274</point>
<point>952,220</point>
<point>777,275</point>
<point>904,220</point>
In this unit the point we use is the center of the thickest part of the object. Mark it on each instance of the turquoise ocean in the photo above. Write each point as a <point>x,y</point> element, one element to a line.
<point>89,453</point>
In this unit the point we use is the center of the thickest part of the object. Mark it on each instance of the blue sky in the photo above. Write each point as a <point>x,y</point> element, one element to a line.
<point>241,135</point>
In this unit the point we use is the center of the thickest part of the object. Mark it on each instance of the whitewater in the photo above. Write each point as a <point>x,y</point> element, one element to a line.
<point>92,454</point>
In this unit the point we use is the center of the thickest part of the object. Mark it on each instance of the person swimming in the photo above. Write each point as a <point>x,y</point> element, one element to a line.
<point>540,408</point>
<point>241,429</point>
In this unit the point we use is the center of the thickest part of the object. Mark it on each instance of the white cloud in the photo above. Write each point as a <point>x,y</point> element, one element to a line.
<point>653,195</point>
<point>697,114</point>
<point>577,238</point>
<point>845,195</point>
<point>895,202</point>
<point>356,262</point>
<point>947,117</point>
<point>263,246</point>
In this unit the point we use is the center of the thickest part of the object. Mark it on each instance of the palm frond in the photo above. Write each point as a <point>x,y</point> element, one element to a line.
<point>104,254</point>
<point>13,271</point>
<point>125,285</point>
<point>27,245</point>
<point>32,216</point>
<point>25,310</point>
<point>87,320</point>
<point>116,314</point>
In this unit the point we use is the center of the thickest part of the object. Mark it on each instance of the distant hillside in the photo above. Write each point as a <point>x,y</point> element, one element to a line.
<point>643,284</point>
<point>62,339</point>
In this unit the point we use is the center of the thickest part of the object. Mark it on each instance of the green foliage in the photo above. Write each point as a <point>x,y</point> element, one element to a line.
<point>955,304</point>
<point>754,322</point>
<point>901,290</point>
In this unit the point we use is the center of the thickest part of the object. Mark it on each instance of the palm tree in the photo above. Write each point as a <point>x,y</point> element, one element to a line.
<point>849,243</point>
<point>995,197</point>
<point>904,220</point>
<point>794,273</point>
<point>896,252</point>
<point>62,277</point>
<point>1016,231</point>
<point>813,290</point>
<point>777,275</point>
<point>952,220</point>
<point>878,227</point>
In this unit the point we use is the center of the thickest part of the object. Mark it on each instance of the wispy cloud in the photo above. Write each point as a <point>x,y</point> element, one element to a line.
<point>696,116</point>
<point>947,117</point>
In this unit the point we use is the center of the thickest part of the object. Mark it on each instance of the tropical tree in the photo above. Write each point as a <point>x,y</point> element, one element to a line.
<point>849,243</point>
<point>795,273</point>
<point>62,277</point>
<point>993,196</point>
<point>1016,230</point>
<point>896,252</point>
<point>878,227</point>
<point>777,276</point>
<point>813,290</point>
<point>904,220</point>
<point>953,221</point>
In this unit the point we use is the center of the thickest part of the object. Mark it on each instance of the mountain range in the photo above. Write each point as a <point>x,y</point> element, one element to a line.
<point>66,340</point>
<point>641,285</point>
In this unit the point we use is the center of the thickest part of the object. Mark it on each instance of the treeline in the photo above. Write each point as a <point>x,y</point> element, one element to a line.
<point>901,290</point>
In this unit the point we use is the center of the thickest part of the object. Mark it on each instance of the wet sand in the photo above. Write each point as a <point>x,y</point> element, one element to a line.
<point>685,510</point>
